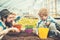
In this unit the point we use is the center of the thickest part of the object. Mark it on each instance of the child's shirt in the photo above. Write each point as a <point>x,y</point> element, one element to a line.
<point>41,23</point>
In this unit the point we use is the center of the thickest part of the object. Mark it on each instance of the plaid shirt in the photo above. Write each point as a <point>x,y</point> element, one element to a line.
<point>42,23</point>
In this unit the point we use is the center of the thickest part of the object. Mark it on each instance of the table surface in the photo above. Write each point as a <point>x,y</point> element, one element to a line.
<point>24,36</point>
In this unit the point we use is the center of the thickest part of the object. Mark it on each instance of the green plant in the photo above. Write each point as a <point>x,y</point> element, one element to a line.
<point>29,26</point>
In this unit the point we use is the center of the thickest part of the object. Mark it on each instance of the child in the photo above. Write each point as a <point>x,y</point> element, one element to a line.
<point>47,21</point>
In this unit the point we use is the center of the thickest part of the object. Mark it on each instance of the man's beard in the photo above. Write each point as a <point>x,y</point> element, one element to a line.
<point>9,24</point>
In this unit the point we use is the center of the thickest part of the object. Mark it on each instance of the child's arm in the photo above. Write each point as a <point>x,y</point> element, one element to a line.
<point>50,20</point>
<point>39,23</point>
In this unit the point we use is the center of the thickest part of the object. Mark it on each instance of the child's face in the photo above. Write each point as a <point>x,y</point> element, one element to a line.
<point>43,17</point>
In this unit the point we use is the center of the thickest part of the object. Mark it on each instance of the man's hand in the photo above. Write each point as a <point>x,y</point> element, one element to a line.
<point>15,29</point>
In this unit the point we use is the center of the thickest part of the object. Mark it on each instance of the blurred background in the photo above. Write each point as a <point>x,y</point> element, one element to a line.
<point>31,7</point>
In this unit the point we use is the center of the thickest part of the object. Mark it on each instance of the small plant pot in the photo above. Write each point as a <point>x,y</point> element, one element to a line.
<point>29,30</point>
<point>18,27</point>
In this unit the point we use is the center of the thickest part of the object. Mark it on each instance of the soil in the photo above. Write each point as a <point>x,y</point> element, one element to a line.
<point>23,36</point>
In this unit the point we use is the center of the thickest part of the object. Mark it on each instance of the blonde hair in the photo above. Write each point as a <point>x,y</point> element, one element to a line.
<point>43,11</point>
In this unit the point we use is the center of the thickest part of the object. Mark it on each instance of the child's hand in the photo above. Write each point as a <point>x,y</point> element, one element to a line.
<point>47,23</point>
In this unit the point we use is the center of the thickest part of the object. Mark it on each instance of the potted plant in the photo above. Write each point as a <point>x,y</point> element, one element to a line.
<point>29,28</point>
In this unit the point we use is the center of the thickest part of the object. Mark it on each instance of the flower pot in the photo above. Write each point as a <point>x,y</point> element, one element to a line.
<point>18,26</point>
<point>29,30</point>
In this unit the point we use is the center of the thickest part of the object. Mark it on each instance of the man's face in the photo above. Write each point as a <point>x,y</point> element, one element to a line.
<point>10,18</point>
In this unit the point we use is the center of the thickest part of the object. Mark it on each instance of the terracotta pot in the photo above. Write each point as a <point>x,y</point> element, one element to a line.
<point>17,26</point>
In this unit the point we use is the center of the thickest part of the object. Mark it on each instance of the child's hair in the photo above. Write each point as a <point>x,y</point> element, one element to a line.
<point>43,11</point>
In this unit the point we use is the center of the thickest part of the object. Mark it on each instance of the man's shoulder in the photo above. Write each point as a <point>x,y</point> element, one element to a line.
<point>1,23</point>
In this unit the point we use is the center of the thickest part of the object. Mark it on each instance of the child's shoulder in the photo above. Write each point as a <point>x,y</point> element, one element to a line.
<point>39,21</point>
<point>50,17</point>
